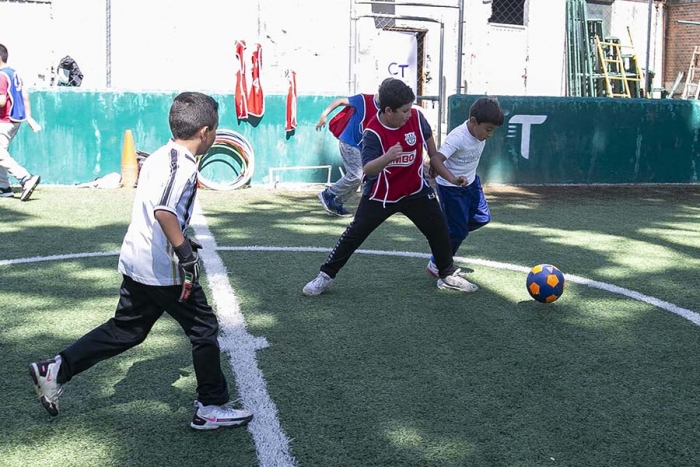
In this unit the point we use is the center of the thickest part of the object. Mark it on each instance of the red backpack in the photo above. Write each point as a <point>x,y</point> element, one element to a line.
<point>338,123</point>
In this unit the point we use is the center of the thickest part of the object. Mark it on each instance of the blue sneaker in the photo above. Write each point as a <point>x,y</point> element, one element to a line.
<point>341,211</point>
<point>328,200</point>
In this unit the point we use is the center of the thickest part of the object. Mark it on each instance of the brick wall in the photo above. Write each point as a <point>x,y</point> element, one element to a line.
<point>680,39</point>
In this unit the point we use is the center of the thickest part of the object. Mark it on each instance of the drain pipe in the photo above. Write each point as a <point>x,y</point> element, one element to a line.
<point>460,40</point>
<point>647,78</point>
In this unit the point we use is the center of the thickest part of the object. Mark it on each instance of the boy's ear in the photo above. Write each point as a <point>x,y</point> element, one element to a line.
<point>203,132</point>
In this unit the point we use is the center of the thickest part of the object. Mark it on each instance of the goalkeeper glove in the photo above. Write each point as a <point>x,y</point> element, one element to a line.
<point>188,262</point>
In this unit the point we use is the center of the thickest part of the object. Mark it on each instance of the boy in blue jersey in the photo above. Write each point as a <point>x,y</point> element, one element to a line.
<point>160,268</point>
<point>364,107</point>
<point>14,109</point>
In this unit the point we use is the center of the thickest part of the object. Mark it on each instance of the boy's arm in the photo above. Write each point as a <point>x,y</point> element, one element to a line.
<point>185,249</point>
<point>4,86</point>
<point>437,162</point>
<point>28,112</point>
<point>171,227</point>
<point>373,157</point>
<point>331,107</point>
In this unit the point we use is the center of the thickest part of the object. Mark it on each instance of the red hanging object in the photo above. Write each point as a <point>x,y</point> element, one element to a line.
<point>256,99</point>
<point>241,95</point>
<point>291,122</point>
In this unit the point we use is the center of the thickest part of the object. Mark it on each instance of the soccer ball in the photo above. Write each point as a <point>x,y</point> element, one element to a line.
<point>545,283</point>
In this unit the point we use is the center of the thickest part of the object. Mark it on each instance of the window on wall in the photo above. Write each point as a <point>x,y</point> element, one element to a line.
<point>508,12</point>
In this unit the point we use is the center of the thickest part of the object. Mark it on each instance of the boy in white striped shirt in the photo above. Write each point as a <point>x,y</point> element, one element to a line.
<point>160,268</point>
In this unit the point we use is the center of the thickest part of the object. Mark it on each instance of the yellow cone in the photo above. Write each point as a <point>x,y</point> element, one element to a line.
<point>130,167</point>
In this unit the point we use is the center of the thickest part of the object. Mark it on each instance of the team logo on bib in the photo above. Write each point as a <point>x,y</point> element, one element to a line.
<point>410,138</point>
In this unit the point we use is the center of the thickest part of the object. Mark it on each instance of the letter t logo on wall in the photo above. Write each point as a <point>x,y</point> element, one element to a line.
<point>526,121</point>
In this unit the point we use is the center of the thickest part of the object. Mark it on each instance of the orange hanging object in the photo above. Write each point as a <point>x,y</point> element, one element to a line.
<point>130,167</point>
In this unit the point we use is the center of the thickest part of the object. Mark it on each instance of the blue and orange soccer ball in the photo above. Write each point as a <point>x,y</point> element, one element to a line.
<point>545,283</point>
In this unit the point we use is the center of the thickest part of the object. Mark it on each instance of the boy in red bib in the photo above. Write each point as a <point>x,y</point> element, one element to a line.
<point>392,147</point>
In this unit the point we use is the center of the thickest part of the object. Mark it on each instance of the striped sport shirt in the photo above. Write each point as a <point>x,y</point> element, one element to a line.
<point>167,181</point>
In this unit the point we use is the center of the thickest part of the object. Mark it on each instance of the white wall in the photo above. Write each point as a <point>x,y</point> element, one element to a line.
<point>178,44</point>
<point>546,48</point>
<point>27,30</point>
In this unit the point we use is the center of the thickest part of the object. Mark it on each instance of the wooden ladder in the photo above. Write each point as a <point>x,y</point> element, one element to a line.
<point>612,65</point>
<point>692,79</point>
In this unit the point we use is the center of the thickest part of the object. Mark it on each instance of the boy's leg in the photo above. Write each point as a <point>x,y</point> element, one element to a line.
<point>479,212</point>
<point>5,190</point>
<point>425,213</point>
<point>345,188</point>
<point>7,163</point>
<point>455,203</point>
<point>369,216</point>
<point>133,319</point>
<point>199,322</point>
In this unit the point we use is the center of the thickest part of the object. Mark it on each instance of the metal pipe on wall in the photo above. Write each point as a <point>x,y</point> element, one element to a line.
<point>352,84</point>
<point>108,51</point>
<point>647,76</point>
<point>460,40</point>
<point>440,86</point>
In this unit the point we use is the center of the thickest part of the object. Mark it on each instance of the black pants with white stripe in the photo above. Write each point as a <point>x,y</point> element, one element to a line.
<point>425,213</point>
<point>138,309</point>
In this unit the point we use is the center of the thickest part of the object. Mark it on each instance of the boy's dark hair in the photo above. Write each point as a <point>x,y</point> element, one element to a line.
<point>190,112</point>
<point>394,93</point>
<point>487,110</point>
<point>3,53</point>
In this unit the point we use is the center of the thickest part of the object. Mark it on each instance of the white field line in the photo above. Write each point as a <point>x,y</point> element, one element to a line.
<point>271,443</point>
<point>690,315</point>
<point>38,259</point>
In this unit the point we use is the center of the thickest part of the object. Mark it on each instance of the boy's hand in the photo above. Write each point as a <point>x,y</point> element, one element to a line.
<point>394,153</point>
<point>190,272</point>
<point>33,125</point>
<point>195,244</point>
<point>188,262</point>
<point>321,123</point>
<point>460,181</point>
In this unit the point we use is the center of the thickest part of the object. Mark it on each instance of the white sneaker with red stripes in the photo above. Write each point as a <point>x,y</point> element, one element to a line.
<point>211,417</point>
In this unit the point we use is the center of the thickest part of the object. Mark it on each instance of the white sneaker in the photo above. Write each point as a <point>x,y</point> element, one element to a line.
<point>211,417</point>
<point>28,186</point>
<point>456,281</point>
<point>318,285</point>
<point>432,269</point>
<point>44,375</point>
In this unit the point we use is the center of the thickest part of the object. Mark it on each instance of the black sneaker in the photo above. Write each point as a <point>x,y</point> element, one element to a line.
<point>6,192</point>
<point>28,187</point>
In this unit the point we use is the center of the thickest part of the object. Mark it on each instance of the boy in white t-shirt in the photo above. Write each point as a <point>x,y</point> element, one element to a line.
<point>459,187</point>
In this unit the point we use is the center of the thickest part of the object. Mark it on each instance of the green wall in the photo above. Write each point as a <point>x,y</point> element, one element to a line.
<point>590,140</point>
<point>582,140</point>
<point>83,133</point>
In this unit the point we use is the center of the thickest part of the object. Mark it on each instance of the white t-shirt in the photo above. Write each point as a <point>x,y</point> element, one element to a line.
<point>463,152</point>
<point>167,181</point>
